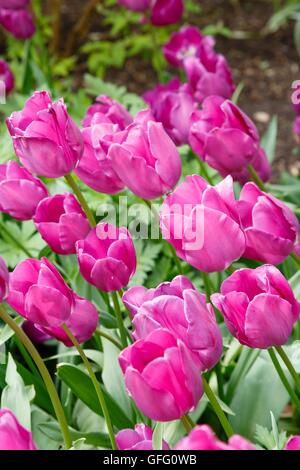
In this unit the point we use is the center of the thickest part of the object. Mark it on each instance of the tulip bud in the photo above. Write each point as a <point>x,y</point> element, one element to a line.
<point>259,306</point>
<point>20,192</point>
<point>269,225</point>
<point>107,257</point>
<point>4,279</point>
<point>139,438</point>
<point>225,138</point>
<point>162,376</point>
<point>147,160</point>
<point>61,222</point>
<point>200,221</point>
<point>178,307</point>
<point>6,76</point>
<point>13,436</point>
<point>38,293</point>
<point>185,43</point>
<point>293,443</point>
<point>172,104</point>
<point>165,12</point>
<point>17,22</point>
<point>45,138</point>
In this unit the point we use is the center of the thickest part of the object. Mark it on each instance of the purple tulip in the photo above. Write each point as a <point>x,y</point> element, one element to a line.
<point>162,376</point>
<point>209,74</point>
<point>17,22</point>
<point>293,443</point>
<point>95,168</point>
<point>258,306</point>
<point>165,12</point>
<point>108,110</point>
<point>172,104</point>
<point>61,222</point>
<point>39,293</point>
<point>269,225</point>
<point>203,438</point>
<point>107,257</point>
<point>20,192</point>
<point>135,5</point>
<point>186,43</point>
<point>178,307</point>
<point>6,76</point>
<point>14,4</point>
<point>139,438</point>
<point>34,332</point>
<point>200,221</point>
<point>46,139</point>
<point>147,160</point>
<point>224,137</point>
<point>82,323</point>
<point>13,436</point>
<point>4,280</point>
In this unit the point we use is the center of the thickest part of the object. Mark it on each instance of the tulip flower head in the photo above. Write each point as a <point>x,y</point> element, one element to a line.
<point>6,76</point>
<point>200,221</point>
<point>16,19</point>
<point>107,257</point>
<point>259,306</point>
<point>203,438</point>
<point>178,307</point>
<point>4,280</point>
<point>46,140</point>
<point>147,161</point>
<point>61,222</point>
<point>20,192</point>
<point>139,438</point>
<point>225,138</point>
<point>162,376</point>
<point>13,436</point>
<point>293,443</point>
<point>270,227</point>
<point>107,110</point>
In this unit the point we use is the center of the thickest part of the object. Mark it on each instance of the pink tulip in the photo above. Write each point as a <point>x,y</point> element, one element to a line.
<point>135,5</point>
<point>185,43</point>
<point>107,257</point>
<point>162,376</point>
<point>147,160</point>
<point>82,323</point>
<point>6,76</point>
<point>61,222</point>
<point>34,332</point>
<point>293,443</point>
<point>13,436</point>
<point>224,137</point>
<point>269,225</point>
<point>178,307</point>
<point>4,279</point>
<point>108,110</point>
<point>46,139</point>
<point>200,221</point>
<point>139,438</point>
<point>14,4</point>
<point>173,105</point>
<point>17,22</point>
<point>20,192</point>
<point>296,127</point>
<point>39,293</point>
<point>165,12</point>
<point>95,168</point>
<point>258,306</point>
<point>209,74</point>
<point>203,438</point>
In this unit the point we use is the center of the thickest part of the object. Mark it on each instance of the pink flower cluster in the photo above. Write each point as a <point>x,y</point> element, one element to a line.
<point>16,18</point>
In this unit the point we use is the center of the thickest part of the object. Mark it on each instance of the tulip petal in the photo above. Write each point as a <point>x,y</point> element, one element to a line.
<point>46,306</point>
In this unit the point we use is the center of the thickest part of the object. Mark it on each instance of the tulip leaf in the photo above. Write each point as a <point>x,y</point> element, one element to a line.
<point>269,139</point>
<point>157,438</point>
<point>294,282</point>
<point>81,385</point>
<point>53,431</point>
<point>6,332</point>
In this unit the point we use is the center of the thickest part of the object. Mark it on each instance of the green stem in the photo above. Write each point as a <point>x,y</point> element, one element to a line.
<point>207,285</point>
<point>289,366</point>
<point>217,408</point>
<point>204,172</point>
<point>284,380</point>
<point>60,414</point>
<point>175,259</point>
<point>187,423</point>
<point>230,270</point>
<point>109,338</point>
<point>296,259</point>
<point>119,318</point>
<point>15,240</point>
<point>72,183</point>
<point>256,178</point>
<point>96,385</point>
